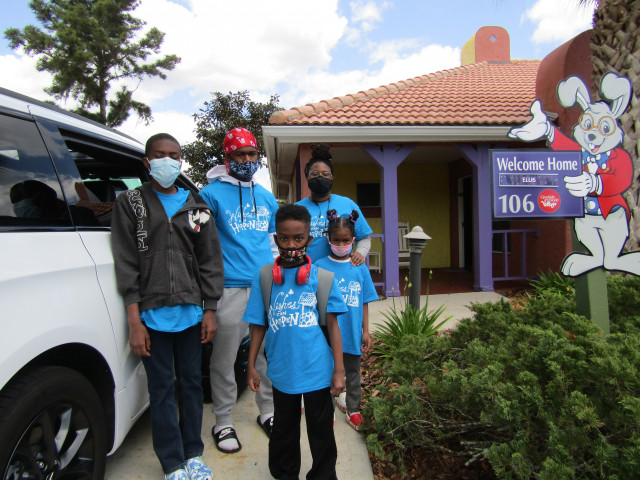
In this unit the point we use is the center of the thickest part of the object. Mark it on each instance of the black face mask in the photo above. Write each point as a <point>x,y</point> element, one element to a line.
<point>320,185</point>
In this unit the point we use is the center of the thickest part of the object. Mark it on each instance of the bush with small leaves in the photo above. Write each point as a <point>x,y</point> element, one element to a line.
<point>539,393</point>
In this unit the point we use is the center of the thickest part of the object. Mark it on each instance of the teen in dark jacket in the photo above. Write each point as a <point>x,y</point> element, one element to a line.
<point>170,274</point>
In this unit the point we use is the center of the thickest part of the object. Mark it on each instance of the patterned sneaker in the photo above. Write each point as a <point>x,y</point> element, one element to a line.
<point>355,420</point>
<point>341,402</point>
<point>198,470</point>
<point>177,475</point>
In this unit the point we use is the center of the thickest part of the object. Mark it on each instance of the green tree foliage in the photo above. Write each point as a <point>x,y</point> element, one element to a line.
<point>219,115</point>
<point>89,44</point>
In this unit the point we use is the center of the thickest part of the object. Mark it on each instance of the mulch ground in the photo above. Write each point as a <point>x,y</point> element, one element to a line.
<point>424,464</point>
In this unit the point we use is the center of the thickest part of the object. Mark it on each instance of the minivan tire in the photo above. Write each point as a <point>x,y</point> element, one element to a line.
<point>52,426</point>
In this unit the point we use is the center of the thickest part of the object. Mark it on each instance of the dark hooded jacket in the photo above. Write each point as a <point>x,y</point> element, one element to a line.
<point>163,261</point>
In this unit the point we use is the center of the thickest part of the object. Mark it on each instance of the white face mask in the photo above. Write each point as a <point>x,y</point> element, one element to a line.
<point>165,170</point>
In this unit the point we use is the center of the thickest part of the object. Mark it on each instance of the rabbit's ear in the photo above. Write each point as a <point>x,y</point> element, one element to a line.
<point>616,90</point>
<point>572,91</point>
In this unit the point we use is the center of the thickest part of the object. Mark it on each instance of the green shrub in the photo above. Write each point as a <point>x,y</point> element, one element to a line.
<point>539,393</point>
<point>405,322</point>
<point>624,303</point>
<point>553,282</point>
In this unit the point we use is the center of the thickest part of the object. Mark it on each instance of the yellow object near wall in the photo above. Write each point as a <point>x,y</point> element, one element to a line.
<point>423,199</point>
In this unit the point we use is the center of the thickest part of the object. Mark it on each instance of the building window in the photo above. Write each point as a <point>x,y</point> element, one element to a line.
<point>368,194</point>
<point>368,199</point>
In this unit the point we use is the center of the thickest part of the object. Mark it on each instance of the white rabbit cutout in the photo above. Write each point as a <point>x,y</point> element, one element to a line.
<point>607,171</point>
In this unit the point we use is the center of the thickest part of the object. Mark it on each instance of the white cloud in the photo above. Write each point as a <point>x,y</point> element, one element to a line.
<point>558,20</point>
<point>227,47</point>
<point>367,13</point>
<point>323,85</point>
<point>180,125</point>
<point>19,73</point>
<point>391,50</point>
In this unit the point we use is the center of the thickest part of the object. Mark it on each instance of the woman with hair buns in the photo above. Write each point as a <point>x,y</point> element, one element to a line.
<point>319,174</point>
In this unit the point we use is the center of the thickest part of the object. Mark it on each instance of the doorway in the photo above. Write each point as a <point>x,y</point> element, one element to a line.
<point>465,222</point>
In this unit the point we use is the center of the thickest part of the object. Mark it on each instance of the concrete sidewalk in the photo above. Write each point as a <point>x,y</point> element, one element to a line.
<point>135,459</point>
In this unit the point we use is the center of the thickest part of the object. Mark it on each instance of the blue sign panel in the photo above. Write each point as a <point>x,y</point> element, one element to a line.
<point>530,183</point>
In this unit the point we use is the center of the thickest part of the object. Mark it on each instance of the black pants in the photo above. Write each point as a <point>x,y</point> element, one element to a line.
<point>284,444</point>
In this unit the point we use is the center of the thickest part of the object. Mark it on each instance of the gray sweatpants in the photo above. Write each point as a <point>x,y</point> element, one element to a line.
<point>231,330</point>
<point>353,383</point>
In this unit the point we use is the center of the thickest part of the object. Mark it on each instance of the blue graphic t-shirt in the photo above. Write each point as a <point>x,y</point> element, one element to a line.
<point>319,247</point>
<point>357,289</point>
<point>180,317</point>
<point>299,359</point>
<point>245,218</point>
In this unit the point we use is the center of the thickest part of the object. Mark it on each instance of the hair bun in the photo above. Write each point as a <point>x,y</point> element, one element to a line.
<point>332,215</point>
<point>320,151</point>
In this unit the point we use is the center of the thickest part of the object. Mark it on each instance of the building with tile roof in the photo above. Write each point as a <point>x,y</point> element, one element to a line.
<point>417,151</point>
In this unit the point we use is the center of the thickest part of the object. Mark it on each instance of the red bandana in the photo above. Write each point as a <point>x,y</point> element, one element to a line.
<point>238,138</point>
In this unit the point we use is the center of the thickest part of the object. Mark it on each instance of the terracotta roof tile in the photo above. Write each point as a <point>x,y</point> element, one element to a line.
<point>477,94</point>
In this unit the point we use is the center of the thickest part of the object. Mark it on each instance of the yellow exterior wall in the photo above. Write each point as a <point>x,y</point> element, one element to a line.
<point>468,52</point>
<point>423,197</point>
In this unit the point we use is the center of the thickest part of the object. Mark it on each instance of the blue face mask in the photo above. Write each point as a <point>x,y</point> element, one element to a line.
<point>165,170</point>
<point>243,170</point>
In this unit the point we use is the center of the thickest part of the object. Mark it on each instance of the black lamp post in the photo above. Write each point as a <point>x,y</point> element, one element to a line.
<point>417,241</point>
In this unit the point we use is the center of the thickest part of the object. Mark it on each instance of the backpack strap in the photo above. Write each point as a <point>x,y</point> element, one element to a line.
<point>266,282</point>
<point>325,281</point>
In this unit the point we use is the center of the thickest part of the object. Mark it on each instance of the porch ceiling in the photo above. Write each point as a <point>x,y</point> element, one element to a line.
<point>434,143</point>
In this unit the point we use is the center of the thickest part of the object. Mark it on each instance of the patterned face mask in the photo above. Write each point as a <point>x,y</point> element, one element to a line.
<point>243,170</point>
<point>292,255</point>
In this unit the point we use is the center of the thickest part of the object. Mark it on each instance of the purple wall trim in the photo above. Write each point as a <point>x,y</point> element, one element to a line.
<point>389,156</point>
<point>478,156</point>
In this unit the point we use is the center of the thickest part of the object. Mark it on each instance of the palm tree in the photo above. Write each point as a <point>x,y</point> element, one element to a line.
<point>615,43</point>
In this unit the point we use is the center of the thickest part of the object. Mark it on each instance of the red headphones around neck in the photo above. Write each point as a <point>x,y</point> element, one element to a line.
<point>302,275</point>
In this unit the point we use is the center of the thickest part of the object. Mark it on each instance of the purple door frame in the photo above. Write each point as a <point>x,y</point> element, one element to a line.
<point>389,156</point>
<point>478,156</point>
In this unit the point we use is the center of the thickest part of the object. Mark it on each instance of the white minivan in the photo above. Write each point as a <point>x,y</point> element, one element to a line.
<point>70,388</point>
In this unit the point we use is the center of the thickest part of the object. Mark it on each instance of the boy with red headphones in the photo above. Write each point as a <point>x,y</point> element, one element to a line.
<point>300,362</point>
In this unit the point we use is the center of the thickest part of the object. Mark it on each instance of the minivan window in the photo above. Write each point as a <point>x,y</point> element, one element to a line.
<point>30,195</point>
<point>104,172</point>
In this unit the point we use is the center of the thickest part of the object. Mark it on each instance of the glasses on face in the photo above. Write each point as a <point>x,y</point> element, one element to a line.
<point>239,156</point>
<point>316,174</point>
<point>606,125</point>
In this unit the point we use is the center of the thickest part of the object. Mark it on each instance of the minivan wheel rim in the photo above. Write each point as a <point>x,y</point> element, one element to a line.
<point>57,444</point>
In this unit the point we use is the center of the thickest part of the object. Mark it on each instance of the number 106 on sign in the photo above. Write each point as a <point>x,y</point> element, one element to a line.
<point>513,204</point>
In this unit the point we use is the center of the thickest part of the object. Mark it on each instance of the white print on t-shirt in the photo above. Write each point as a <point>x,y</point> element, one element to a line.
<point>248,219</point>
<point>286,312</point>
<point>350,292</point>
<point>318,227</point>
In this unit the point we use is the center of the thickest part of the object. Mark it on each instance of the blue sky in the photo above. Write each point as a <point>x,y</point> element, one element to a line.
<point>305,50</point>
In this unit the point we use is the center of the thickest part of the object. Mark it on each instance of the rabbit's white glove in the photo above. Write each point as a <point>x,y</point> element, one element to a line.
<point>538,127</point>
<point>584,184</point>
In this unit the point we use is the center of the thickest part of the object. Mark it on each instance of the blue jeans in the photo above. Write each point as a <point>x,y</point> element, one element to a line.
<point>175,441</point>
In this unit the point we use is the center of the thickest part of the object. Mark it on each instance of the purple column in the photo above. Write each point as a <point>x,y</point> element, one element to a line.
<point>478,156</point>
<point>388,156</point>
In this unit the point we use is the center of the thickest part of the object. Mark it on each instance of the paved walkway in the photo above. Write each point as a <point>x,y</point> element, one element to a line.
<point>135,459</point>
